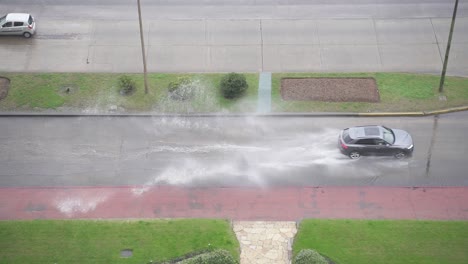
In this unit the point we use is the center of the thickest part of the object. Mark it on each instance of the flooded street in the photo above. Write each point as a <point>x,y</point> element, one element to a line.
<point>216,151</point>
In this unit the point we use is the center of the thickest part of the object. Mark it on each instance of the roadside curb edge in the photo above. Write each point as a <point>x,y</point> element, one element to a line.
<point>279,114</point>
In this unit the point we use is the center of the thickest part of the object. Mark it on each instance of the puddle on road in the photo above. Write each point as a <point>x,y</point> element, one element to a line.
<point>253,155</point>
<point>205,152</point>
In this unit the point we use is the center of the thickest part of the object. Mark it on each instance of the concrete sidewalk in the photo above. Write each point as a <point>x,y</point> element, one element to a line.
<point>240,45</point>
<point>246,204</point>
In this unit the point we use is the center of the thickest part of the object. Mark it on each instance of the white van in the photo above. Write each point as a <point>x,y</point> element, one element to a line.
<point>17,24</point>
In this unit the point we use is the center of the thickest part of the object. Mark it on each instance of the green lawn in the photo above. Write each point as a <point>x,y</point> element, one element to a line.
<point>399,92</point>
<point>383,241</point>
<point>98,92</point>
<point>68,241</point>
<point>344,241</point>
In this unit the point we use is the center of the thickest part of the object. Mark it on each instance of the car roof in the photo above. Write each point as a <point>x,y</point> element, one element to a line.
<point>17,17</point>
<point>366,132</point>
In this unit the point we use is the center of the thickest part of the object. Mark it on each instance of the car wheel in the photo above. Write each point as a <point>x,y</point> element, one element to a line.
<point>400,155</point>
<point>26,34</point>
<point>354,155</point>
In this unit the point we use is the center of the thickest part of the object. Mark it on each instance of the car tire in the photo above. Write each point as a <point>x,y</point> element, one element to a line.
<point>354,155</point>
<point>400,155</point>
<point>27,34</point>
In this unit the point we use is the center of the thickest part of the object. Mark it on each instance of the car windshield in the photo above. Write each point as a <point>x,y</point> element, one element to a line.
<point>2,19</point>
<point>347,139</point>
<point>388,135</point>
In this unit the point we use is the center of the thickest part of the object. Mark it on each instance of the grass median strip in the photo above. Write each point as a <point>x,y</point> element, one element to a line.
<point>99,93</point>
<point>76,241</point>
<point>385,241</point>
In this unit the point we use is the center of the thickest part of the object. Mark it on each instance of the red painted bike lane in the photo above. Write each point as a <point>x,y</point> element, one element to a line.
<point>280,204</point>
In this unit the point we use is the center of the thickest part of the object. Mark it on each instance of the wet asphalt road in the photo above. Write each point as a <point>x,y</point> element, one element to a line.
<point>228,9</point>
<point>222,152</point>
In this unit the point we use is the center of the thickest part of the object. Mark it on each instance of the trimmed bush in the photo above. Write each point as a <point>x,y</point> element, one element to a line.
<point>215,257</point>
<point>127,85</point>
<point>182,89</point>
<point>309,256</point>
<point>233,85</point>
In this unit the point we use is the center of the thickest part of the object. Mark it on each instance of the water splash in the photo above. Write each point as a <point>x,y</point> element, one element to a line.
<point>104,102</point>
<point>79,204</point>
<point>202,99</point>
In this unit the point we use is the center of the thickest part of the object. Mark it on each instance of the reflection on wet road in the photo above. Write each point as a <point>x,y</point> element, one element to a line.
<point>213,151</point>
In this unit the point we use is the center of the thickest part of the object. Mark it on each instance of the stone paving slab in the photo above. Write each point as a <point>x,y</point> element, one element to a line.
<point>110,58</point>
<point>442,29</point>
<point>351,58</point>
<point>265,242</point>
<point>50,57</point>
<point>177,32</point>
<point>404,31</point>
<point>14,57</point>
<point>233,32</point>
<point>289,32</point>
<point>458,57</point>
<point>281,58</point>
<point>347,32</point>
<point>411,58</point>
<point>177,58</point>
<point>104,33</point>
<point>235,58</point>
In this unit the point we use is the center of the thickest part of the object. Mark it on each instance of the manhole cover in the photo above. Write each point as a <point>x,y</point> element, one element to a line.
<point>68,89</point>
<point>4,87</point>
<point>126,253</point>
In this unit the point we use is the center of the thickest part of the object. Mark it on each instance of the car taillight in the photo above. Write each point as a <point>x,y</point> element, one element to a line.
<point>30,26</point>
<point>344,146</point>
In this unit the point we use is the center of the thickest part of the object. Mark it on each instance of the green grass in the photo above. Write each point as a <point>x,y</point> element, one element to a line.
<point>47,241</point>
<point>399,92</point>
<point>376,241</point>
<point>100,92</point>
<point>344,241</point>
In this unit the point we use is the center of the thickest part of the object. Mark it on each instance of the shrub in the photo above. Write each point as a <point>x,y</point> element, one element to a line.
<point>233,85</point>
<point>309,256</point>
<point>215,257</point>
<point>127,85</point>
<point>182,89</point>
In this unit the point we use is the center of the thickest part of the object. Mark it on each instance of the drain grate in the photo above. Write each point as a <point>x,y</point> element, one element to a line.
<point>126,253</point>
<point>68,89</point>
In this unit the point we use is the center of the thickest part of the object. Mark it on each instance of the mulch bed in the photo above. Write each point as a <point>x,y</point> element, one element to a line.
<point>330,89</point>
<point>4,86</point>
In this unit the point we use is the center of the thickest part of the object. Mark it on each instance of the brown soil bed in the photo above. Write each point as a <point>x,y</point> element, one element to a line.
<point>330,89</point>
<point>4,86</point>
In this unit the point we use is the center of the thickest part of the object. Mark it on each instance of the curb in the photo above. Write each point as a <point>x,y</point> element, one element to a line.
<point>280,114</point>
<point>423,113</point>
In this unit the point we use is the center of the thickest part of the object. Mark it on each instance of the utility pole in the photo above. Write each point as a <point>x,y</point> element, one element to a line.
<point>143,48</point>
<point>444,69</point>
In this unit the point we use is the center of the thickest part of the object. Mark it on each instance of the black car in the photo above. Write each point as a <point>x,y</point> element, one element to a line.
<point>376,141</point>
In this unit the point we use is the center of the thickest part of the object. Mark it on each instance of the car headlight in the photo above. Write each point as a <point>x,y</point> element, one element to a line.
<point>410,147</point>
